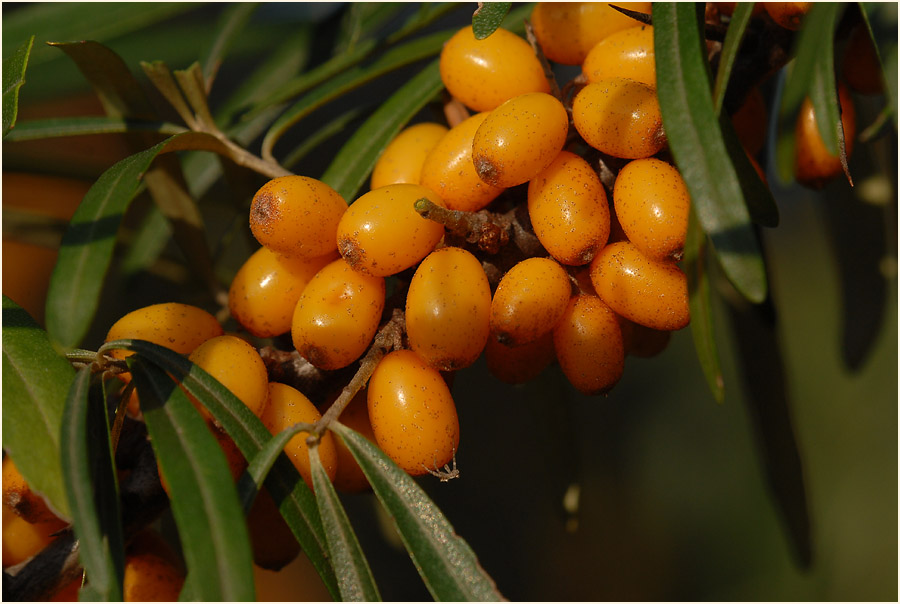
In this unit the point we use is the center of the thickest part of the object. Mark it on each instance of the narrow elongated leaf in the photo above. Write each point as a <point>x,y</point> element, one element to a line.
<point>445,561</point>
<point>86,248</point>
<point>362,21</point>
<point>350,565</point>
<point>699,149</point>
<point>426,14</point>
<point>259,466</point>
<point>488,17</point>
<point>352,165</point>
<point>36,382</point>
<point>230,25</point>
<point>312,142</point>
<point>14,67</point>
<point>700,303</point>
<point>733,38</point>
<point>210,520</point>
<point>296,501</point>
<point>80,126</point>
<point>813,47</point>
<point>92,490</point>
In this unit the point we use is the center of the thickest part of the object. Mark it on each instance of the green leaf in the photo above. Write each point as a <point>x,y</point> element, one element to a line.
<point>231,24</point>
<point>312,142</point>
<point>362,21</point>
<point>350,565</point>
<point>733,38</point>
<point>813,48</point>
<point>295,500</point>
<point>446,563</point>
<point>86,248</point>
<point>35,386</point>
<point>695,267</point>
<point>92,489</point>
<point>211,526</point>
<point>757,195</point>
<point>147,243</point>
<point>488,17</point>
<point>425,15</point>
<point>262,462</point>
<point>352,165</point>
<point>13,78</point>
<point>80,126</point>
<point>697,143</point>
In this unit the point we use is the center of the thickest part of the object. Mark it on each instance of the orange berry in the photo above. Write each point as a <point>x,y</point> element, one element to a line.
<point>450,172</point>
<point>485,73</point>
<point>519,139</point>
<point>381,234</point>
<point>238,366</point>
<point>519,364</point>
<point>529,301</point>
<point>401,161</point>
<point>814,165</point>
<point>788,14</point>
<point>651,293</point>
<point>265,290</point>
<point>567,31</point>
<point>296,216</point>
<point>620,118</point>
<point>627,53</point>
<point>22,539</point>
<point>288,406</point>
<point>568,209</point>
<point>19,497</point>
<point>412,412</point>
<point>349,477</point>
<point>337,315</point>
<point>152,573</point>
<point>448,309</point>
<point>589,347</point>
<point>653,206</point>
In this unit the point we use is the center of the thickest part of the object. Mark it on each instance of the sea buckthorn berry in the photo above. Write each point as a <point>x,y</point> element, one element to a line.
<point>653,207</point>
<point>296,216</point>
<point>645,291</point>
<point>349,477</point>
<point>588,343</point>
<point>642,341</point>
<point>152,573</point>
<point>337,315</point>
<point>401,161</point>
<point>19,497</point>
<point>568,209</point>
<point>274,545</point>
<point>288,406</point>
<point>861,69</point>
<point>814,165</point>
<point>788,14</point>
<point>412,412</point>
<point>519,139</point>
<point>22,539</point>
<point>448,309</point>
<point>567,31</point>
<point>450,172</point>
<point>382,234</point>
<point>530,299</point>
<point>620,118</point>
<point>624,54</point>
<point>238,366</point>
<point>485,73</point>
<point>519,364</point>
<point>751,122</point>
<point>265,290</point>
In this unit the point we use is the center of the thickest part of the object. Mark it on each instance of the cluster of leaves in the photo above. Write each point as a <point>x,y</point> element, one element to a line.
<point>59,418</point>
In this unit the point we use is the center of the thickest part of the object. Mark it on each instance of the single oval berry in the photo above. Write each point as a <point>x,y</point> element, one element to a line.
<point>814,165</point>
<point>519,139</point>
<point>296,216</point>
<point>264,292</point>
<point>620,118</point>
<point>448,308</point>
<point>401,161</point>
<point>382,234</point>
<point>627,53</point>
<point>651,293</point>
<point>450,172</point>
<point>238,366</point>
<point>288,406</point>
<point>529,301</point>
<point>589,347</point>
<point>567,31</point>
<point>568,209</point>
<point>653,206</point>
<point>485,73</point>
<point>412,413</point>
<point>337,315</point>
<point>152,573</point>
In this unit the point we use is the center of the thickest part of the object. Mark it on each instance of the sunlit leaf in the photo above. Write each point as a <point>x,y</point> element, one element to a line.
<point>14,67</point>
<point>447,564</point>
<point>488,17</point>
<point>35,385</point>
